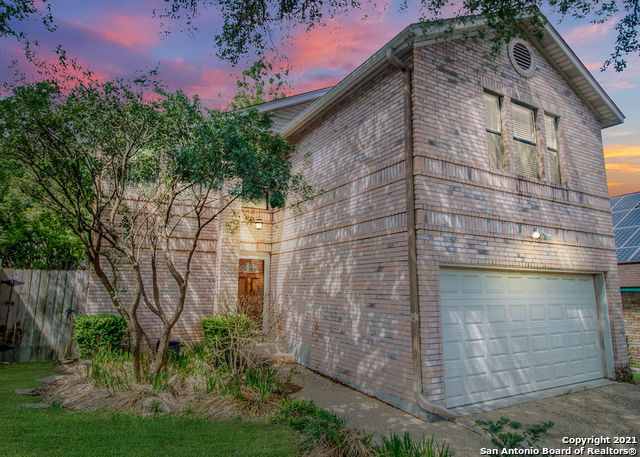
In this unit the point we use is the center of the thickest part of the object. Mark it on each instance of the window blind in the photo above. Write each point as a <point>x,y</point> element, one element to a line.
<point>494,130</point>
<point>492,113</point>
<point>523,123</point>
<point>551,131</point>
<point>524,134</point>
<point>551,134</point>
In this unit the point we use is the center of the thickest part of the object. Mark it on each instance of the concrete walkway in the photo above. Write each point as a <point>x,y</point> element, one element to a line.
<point>611,410</point>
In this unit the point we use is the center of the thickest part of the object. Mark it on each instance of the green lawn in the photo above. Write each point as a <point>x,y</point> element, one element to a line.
<point>58,432</point>
<point>636,376</point>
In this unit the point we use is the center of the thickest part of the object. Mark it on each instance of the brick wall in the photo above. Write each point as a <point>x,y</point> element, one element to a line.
<point>469,214</point>
<point>631,307</point>
<point>629,274</point>
<point>630,277</point>
<point>340,269</point>
<point>214,272</point>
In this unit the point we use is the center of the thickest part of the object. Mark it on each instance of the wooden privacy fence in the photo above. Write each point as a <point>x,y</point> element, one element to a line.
<point>37,308</point>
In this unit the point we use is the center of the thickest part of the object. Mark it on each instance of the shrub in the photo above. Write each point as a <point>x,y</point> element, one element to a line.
<point>262,380</point>
<point>515,438</point>
<point>231,340</point>
<point>101,331</point>
<point>395,446</point>
<point>223,326</point>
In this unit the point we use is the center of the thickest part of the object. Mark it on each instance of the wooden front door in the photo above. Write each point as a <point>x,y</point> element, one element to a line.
<point>251,288</point>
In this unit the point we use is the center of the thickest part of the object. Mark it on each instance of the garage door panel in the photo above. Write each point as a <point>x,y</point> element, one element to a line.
<point>472,284</point>
<point>507,333</point>
<point>540,343</point>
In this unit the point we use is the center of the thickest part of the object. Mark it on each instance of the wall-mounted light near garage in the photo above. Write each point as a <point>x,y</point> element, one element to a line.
<point>258,224</point>
<point>539,234</point>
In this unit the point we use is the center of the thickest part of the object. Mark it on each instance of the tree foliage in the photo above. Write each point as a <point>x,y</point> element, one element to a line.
<point>132,174</point>
<point>33,236</point>
<point>260,84</point>
<point>252,25</point>
<point>13,14</point>
<point>256,25</point>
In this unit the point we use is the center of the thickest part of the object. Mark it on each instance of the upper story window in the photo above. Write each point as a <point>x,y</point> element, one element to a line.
<point>493,123</point>
<point>525,148</point>
<point>551,133</point>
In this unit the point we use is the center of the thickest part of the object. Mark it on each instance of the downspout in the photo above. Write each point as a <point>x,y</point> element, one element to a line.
<point>414,306</point>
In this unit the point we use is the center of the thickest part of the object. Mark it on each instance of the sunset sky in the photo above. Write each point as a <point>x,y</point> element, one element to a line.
<point>116,38</point>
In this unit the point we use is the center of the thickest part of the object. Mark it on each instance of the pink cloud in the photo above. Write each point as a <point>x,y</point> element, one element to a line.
<point>340,46</point>
<point>137,32</point>
<point>588,33</point>
<point>132,32</point>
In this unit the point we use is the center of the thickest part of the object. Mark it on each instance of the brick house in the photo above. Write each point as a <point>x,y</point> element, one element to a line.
<point>461,251</point>
<point>626,225</point>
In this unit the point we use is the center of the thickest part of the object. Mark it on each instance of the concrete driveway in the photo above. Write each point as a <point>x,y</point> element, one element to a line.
<point>610,410</point>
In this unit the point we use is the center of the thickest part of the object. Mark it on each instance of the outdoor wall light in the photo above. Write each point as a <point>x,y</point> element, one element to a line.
<point>538,234</point>
<point>258,224</point>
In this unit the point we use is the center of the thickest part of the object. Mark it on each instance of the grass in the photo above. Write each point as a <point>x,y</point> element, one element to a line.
<point>636,375</point>
<point>59,432</point>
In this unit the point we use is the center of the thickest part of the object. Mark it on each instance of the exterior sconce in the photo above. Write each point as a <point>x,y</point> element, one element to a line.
<point>258,224</point>
<point>539,234</point>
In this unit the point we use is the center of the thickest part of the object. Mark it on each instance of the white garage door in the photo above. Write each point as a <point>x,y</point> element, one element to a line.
<point>508,333</point>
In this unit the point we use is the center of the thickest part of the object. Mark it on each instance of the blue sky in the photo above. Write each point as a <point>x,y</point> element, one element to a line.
<point>116,38</point>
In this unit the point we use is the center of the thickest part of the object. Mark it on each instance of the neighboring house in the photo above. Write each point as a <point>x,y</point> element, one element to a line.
<point>461,252</point>
<point>626,226</point>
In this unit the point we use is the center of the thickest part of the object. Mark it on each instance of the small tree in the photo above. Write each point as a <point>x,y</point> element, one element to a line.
<point>126,170</point>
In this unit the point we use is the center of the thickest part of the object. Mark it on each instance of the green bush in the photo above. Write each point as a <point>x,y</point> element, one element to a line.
<point>508,434</point>
<point>396,446</point>
<point>96,332</point>
<point>263,380</point>
<point>224,326</point>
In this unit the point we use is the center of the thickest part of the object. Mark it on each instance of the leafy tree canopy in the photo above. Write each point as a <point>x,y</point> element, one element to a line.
<point>13,13</point>
<point>31,235</point>
<point>260,84</point>
<point>251,25</point>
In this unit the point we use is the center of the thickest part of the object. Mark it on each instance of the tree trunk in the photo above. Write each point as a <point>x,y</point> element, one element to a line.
<point>160,359</point>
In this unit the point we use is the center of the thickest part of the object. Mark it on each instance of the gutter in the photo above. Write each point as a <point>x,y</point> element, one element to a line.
<point>291,100</point>
<point>414,305</point>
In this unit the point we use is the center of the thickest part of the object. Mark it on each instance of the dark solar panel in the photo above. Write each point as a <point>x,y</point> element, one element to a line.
<point>626,222</point>
<point>623,235</point>
<point>614,202</point>
<point>632,241</point>
<point>617,217</point>
<point>625,253</point>
<point>628,201</point>
<point>631,219</point>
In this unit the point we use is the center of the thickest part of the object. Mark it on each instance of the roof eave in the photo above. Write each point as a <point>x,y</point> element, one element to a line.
<point>599,102</point>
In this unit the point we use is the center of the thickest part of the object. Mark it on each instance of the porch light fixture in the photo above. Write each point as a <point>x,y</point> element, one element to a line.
<point>539,234</point>
<point>258,224</point>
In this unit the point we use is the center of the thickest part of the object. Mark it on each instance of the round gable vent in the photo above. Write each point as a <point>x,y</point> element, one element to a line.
<point>521,57</point>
